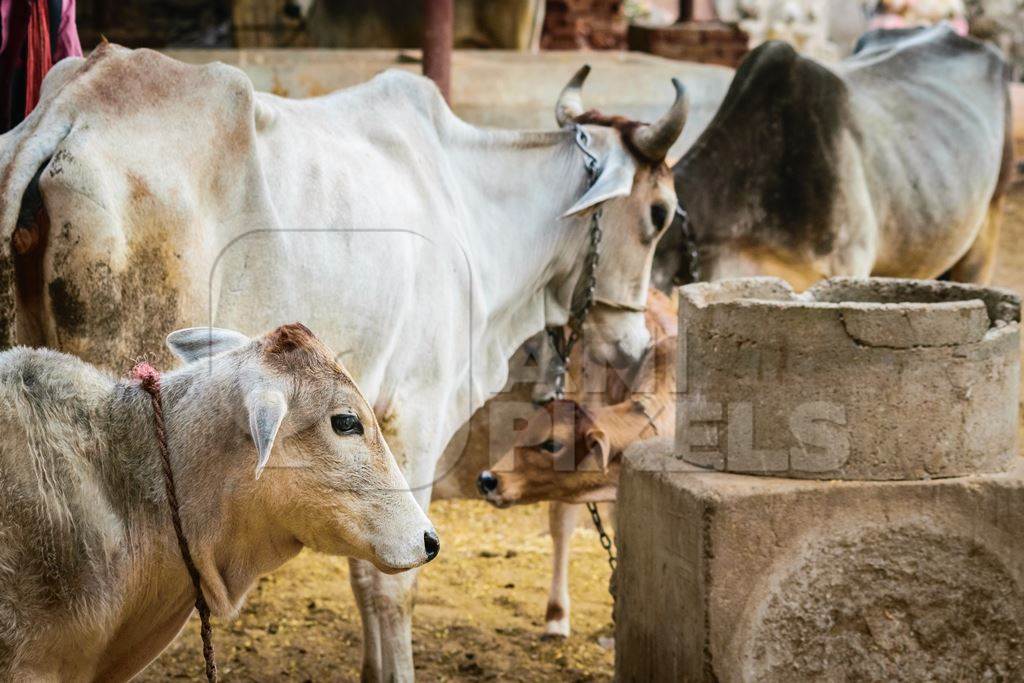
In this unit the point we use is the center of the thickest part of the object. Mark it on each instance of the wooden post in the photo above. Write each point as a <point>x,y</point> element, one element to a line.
<point>438,21</point>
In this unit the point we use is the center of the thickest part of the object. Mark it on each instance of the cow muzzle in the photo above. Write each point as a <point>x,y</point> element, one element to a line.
<point>617,338</point>
<point>423,548</point>
<point>404,542</point>
<point>488,484</point>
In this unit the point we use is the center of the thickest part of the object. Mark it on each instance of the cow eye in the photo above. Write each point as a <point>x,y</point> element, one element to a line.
<point>345,424</point>
<point>659,216</point>
<point>551,446</point>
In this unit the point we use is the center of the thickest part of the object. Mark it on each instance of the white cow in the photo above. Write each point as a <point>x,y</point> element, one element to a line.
<point>92,583</point>
<point>424,249</point>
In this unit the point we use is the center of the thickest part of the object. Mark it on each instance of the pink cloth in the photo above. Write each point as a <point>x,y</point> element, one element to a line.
<point>67,44</point>
<point>23,24</point>
<point>38,55</point>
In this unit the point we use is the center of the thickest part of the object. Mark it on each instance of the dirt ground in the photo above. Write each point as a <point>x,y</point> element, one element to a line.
<point>480,605</point>
<point>479,611</point>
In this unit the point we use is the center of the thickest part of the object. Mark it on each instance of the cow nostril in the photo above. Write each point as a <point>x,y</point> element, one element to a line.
<point>431,544</point>
<point>486,482</point>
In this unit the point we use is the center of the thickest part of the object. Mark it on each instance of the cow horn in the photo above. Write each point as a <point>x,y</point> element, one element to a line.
<point>570,104</point>
<point>654,140</point>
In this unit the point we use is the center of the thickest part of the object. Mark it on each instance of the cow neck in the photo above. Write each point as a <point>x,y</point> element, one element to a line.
<point>220,516</point>
<point>149,381</point>
<point>528,256</point>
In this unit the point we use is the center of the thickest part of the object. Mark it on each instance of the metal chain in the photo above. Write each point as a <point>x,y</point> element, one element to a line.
<point>606,541</point>
<point>583,294</point>
<point>579,308</point>
<point>583,300</point>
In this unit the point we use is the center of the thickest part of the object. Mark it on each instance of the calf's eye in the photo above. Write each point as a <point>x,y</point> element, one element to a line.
<point>345,424</point>
<point>551,446</point>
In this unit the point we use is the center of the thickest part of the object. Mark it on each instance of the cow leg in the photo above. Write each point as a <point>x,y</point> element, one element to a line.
<point>562,522</point>
<point>978,264</point>
<point>386,602</point>
<point>385,605</point>
<point>395,595</point>
<point>361,577</point>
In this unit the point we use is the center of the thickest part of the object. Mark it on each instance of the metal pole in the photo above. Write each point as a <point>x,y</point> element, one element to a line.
<point>685,10</point>
<point>438,20</point>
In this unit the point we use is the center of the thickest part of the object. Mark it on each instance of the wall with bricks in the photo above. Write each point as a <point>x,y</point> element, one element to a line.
<point>709,42</point>
<point>578,24</point>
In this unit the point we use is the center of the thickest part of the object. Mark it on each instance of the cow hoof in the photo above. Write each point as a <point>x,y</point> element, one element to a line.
<point>555,630</point>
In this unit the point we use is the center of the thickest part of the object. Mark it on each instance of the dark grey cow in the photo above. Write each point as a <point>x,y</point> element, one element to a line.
<point>893,162</point>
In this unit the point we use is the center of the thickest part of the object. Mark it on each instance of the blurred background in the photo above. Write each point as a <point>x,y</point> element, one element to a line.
<point>712,31</point>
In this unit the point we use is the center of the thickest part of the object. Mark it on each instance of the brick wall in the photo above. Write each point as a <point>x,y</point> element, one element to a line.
<point>579,24</point>
<point>711,42</point>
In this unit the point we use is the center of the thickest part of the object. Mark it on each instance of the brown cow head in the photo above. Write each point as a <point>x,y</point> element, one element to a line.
<point>560,454</point>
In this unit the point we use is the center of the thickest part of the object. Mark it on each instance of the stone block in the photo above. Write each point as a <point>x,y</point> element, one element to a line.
<point>728,577</point>
<point>853,379</point>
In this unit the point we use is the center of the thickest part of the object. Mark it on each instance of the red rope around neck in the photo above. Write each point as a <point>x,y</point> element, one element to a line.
<point>149,378</point>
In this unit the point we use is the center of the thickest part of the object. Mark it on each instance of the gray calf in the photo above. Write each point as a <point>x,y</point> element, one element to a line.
<point>272,446</point>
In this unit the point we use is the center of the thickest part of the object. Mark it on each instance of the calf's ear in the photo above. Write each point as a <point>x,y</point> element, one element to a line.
<point>599,449</point>
<point>195,343</point>
<point>267,408</point>
<point>615,180</point>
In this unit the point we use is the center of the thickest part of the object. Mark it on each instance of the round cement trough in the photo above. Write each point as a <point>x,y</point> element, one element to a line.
<point>854,379</point>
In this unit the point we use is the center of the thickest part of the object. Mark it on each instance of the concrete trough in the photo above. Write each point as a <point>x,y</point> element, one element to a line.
<point>906,564</point>
<point>853,379</point>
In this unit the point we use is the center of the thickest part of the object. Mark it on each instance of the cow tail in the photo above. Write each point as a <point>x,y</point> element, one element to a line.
<point>24,152</point>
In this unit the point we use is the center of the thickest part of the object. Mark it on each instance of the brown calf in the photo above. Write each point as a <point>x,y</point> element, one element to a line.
<point>610,389</point>
<point>570,453</point>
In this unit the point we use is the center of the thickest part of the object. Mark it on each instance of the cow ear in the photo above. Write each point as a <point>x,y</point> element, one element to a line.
<point>267,409</point>
<point>616,180</point>
<point>599,448</point>
<point>196,343</point>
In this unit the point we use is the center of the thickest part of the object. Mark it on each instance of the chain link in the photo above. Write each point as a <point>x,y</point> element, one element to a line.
<point>579,308</point>
<point>606,541</point>
<point>583,294</point>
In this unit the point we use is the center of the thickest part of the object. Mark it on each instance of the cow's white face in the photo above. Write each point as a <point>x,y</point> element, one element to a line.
<point>635,193</point>
<point>321,471</point>
<point>631,227</point>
